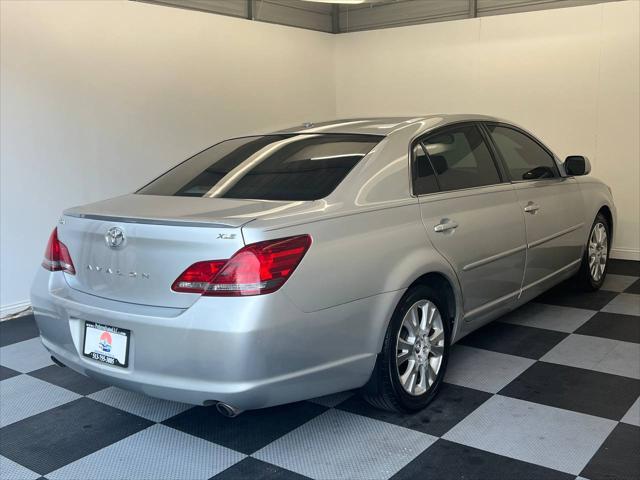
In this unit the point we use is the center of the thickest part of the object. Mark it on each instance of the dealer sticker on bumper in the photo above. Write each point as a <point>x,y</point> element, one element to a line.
<point>106,344</point>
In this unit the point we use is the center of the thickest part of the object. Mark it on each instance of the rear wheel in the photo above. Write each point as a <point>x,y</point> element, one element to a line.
<point>593,269</point>
<point>413,360</point>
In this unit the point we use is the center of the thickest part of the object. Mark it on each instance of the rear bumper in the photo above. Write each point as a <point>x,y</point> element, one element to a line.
<point>249,352</point>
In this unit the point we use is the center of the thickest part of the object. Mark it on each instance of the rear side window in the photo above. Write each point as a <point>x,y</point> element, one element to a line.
<point>272,167</point>
<point>424,178</point>
<point>524,158</point>
<point>461,159</point>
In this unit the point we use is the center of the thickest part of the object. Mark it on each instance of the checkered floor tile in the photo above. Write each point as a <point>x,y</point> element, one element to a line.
<point>551,390</point>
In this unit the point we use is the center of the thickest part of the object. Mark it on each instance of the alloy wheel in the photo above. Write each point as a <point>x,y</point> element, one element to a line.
<point>420,347</point>
<point>598,251</point>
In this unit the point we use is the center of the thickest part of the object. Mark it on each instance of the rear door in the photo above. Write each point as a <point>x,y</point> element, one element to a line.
<point>471,215</point>
<point>551,204</point>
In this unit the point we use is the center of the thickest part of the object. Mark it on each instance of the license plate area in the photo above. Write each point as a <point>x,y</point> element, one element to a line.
<point>106,344</point>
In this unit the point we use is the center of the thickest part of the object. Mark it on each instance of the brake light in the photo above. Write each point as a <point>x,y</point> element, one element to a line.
<point>255,269</point>
<point>56,256</point>
<point>197,277</point>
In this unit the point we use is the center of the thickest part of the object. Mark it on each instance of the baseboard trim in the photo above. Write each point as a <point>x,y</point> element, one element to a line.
<point>13,308</point>
<point>625,254</point>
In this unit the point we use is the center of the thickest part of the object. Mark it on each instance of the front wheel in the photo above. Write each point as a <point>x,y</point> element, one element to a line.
<point>413,360</point>
<point>593,269</point>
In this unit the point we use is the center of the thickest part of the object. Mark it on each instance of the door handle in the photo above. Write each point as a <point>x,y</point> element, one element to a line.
<point>532,208</point>
<point>445,224</point>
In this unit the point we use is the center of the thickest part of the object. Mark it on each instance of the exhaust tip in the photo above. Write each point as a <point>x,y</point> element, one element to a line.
<point>227,410</point>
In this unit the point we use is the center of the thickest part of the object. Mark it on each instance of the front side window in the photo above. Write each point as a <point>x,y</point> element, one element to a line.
<point>461,159</point>
<point>524,158</point>
<point>271,167</point>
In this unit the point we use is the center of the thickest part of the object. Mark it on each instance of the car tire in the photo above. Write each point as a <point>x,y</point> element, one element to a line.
<point>410,368</point>
<point>595,260</point>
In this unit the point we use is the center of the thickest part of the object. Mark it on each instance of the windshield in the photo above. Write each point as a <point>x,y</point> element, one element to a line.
<point>270,167</point>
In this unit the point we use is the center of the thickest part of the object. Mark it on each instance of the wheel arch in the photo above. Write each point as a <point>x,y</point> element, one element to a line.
<point>446,285</point>
<point>606,211</point>
<point>442,285</point>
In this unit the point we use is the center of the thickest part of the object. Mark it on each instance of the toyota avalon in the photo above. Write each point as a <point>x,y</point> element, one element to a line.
<point>349,254</point>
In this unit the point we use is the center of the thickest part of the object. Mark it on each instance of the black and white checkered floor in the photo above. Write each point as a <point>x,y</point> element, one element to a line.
<point>550,391</point>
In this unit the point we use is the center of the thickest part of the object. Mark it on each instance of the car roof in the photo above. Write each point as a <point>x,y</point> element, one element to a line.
<point>384,125</point>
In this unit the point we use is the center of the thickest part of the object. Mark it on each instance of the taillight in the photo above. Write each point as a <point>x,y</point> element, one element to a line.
<point>197,277</point>
<point>255,269</point>
<point>56,256</point>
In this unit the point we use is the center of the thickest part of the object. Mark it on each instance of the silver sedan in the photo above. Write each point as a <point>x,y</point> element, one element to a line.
<point>274,268</point>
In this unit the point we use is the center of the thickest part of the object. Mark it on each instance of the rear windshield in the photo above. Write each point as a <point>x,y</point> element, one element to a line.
<point>271,167</point>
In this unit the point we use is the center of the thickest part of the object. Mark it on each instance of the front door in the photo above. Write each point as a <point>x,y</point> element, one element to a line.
<point>551,205</point>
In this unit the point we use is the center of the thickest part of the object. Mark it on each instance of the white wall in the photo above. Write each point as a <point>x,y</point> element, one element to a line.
<point>99,97</point>
<point>570,75</point>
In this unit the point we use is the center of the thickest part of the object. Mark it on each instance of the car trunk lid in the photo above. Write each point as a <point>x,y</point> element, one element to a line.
<point>132,248</point>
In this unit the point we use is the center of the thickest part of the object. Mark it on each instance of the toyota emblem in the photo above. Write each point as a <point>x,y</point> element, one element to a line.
<point>115,237</point>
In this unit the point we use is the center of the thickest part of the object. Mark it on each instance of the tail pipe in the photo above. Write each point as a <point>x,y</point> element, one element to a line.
<point>228,410</point>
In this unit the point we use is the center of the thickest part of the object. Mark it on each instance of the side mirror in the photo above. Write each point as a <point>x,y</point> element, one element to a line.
<point>576,165</point>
